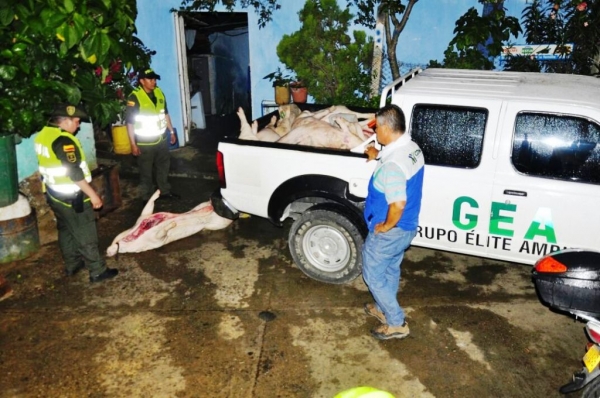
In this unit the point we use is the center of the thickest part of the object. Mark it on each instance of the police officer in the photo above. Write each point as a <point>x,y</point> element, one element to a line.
<point>147,117</point>
<point>66,182</point>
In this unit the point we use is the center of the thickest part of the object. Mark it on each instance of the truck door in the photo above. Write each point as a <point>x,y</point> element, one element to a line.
<point>457,142</point>
<point>546,188</point>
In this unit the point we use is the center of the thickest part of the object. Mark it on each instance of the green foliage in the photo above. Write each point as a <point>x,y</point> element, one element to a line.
<point>57,51</point>
<point>479,38</point>
<point>562,23</point>
<point>279,79</point>
<point>331,64</point>
<point>559,22</point>
<point>368,9</point>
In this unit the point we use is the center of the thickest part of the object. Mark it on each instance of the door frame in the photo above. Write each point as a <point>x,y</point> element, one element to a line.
<point>182,70</point>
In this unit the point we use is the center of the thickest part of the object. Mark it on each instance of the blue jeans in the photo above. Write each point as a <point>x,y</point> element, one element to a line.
<point>382,254</point>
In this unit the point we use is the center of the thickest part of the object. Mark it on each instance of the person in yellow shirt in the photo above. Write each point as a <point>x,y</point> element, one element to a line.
<point>66,181</point>
<point>147,118</point>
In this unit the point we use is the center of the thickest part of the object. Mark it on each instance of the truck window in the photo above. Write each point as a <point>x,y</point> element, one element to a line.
<point>557,146</point>
<point>449,135</point>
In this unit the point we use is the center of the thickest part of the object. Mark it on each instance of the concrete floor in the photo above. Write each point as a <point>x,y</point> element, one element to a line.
<point>227,314</point>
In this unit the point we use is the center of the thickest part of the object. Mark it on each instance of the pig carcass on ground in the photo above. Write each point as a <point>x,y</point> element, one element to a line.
<point>333,127</point>
<point>155,230</point>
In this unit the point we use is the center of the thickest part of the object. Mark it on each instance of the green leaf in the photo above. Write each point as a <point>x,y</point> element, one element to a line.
<point>22,11</point>
<point>79,27</point>
<point>39,82</point>
<point>91,45</point>
<point>52,18</point>
<point>26,115</point>
<point>70,92</point>
<point>69,6</point>
<point>19,48</point>
<point>8,72</point>
<point>62,50</point>
<point>104,43</point>
<point>6,16</point>
<point>6,53</point>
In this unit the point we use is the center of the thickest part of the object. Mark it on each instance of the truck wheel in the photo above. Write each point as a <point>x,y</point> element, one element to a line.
<point>326,245</point>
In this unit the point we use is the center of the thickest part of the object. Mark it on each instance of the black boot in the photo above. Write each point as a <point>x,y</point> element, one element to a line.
<point>108,273</point>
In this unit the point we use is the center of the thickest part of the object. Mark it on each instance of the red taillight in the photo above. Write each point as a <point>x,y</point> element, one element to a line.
<point>593,330</point>
<point>550,265</point>
<point>221,169</point>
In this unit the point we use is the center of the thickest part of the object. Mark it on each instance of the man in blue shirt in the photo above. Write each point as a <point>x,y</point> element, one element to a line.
<point>392,215</point>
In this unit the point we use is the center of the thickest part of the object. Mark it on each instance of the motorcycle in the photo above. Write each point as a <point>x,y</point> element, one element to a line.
<point>569,281</point>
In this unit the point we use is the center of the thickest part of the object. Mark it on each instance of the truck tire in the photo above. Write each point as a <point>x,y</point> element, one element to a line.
<point>326,245</point>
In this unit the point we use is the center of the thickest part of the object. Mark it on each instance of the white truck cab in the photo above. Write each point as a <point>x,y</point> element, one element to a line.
<point>512,160</point>
<point>512,172</point>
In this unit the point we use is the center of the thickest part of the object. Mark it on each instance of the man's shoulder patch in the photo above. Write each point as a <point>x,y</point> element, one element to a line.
<point>130,103</point>
<point>71,157</point>
<point>69,148</point>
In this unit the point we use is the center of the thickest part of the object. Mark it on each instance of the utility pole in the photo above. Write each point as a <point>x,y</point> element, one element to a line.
<point>377,53</point>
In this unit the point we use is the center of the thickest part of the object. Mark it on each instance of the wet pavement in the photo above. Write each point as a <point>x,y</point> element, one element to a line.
<point>227,314</point>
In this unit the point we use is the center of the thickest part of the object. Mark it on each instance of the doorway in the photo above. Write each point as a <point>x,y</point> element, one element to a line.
<point>215,51</point>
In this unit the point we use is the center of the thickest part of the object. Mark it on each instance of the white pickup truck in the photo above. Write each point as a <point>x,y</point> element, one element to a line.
<point>512,172</point>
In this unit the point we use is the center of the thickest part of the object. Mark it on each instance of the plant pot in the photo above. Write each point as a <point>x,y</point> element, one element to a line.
<point>299,94</point>
<point>9,181</point>
<point>282,95</point>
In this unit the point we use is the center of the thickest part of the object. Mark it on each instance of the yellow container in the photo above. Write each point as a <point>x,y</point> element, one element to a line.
<point>120,137</point>
<point>282,95</point>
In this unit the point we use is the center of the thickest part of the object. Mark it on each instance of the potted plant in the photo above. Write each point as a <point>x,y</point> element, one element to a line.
<point>281,83</point>
<point>299,92</point>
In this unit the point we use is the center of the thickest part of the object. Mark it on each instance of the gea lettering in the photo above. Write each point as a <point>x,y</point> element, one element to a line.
<point>465,217</point>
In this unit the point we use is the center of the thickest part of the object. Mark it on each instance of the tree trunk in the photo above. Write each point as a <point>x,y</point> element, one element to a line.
<point>377,53</point>
<point>391,39</point>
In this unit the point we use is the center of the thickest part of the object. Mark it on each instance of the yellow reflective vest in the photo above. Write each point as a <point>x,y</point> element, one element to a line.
<point>150,122</point>
<point>54,174</point>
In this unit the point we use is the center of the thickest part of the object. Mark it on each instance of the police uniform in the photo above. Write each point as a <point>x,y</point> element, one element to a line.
<point>61,162</point>
<point>147,112</point>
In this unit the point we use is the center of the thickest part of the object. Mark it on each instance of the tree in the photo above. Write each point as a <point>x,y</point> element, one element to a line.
<point>57,51</point>
<point>478,38</point>
<point>559,22</point>
<point>394,15</point>
<point>562,23</point>
<point>332,65</point>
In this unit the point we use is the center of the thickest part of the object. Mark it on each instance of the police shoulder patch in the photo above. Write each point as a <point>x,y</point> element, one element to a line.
<point>69,148</point>
<point>71,157</point>
<point>130,103</point>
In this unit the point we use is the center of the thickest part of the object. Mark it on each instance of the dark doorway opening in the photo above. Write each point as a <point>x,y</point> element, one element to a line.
<point>218,63</point>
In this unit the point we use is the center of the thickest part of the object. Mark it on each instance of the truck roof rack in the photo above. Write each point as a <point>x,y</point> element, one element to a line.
<point>391,88</point>
<point>576,90</point>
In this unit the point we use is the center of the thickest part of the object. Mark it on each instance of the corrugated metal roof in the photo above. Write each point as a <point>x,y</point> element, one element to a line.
<point>544,87</point>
